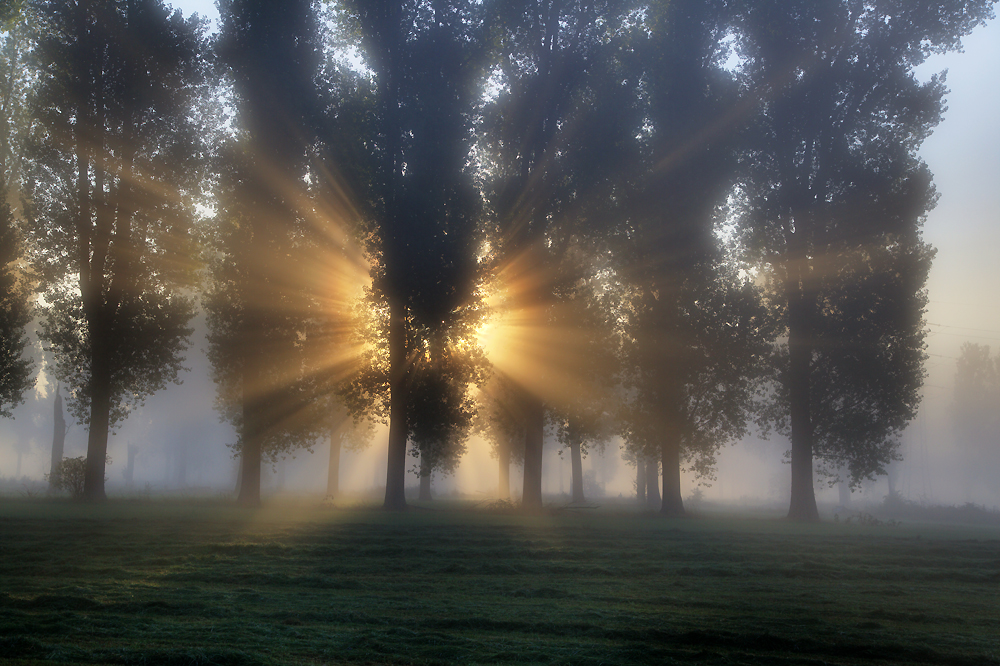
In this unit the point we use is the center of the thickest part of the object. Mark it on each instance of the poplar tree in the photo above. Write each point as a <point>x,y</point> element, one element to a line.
<point>834,196</point>
<point>115,166</point>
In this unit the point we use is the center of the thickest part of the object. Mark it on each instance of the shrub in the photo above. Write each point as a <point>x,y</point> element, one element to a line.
<point>70,474</point>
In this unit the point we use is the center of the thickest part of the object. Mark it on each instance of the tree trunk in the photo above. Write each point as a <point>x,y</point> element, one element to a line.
<point>803,496</point>
<point>653,485</point>
<point>576,462</point>
<point>503,460</point>
<point>425,480</point>
<point>640,481</point>
<point>395,479</point>
<point>333,469</point>
<point>100,414</point>
<point>672,505</point>
<point>534,427</point>
<point>58,441</point>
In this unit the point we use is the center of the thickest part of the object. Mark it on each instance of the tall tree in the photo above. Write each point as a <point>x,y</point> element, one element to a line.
<point>263,297</point>
<point>428,60</point>
<point>553,146</point>
<point>15,304</point>
<point>834,199</point>
<point>115,166</point>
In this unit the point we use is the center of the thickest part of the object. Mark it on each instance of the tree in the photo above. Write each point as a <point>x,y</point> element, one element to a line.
<point>553,146</point>
<point>693,377</point>
<point>428,61</point>
<point>15,304</point>
<point>59,429</point>
<point>499,421</point>
<point>834,196</point>
<point>115,166</point>
<point>442,409</point>
<point>264,304</point>
<point>976,419</point>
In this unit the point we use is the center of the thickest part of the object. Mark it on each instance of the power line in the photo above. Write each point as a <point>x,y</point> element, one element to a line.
<point>965,328</point>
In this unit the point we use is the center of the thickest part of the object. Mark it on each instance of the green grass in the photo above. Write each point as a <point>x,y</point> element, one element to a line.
<point>183,582</point>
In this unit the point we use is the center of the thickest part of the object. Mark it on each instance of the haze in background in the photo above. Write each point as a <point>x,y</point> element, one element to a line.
<point>181,444</point>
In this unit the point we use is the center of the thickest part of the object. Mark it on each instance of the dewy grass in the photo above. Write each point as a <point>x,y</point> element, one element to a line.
<point>208,583</point>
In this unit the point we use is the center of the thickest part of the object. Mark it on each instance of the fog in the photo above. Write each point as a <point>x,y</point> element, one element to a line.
<point>181,446</point>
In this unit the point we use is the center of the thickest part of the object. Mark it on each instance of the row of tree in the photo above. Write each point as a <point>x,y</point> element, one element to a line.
<point>677,217</point>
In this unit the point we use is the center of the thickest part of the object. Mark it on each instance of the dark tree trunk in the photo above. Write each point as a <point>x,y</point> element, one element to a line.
<point>576,462</point>
<point>672,505</point>
<point>653,485</point>
<point>58,441</point>
<point>534,426</point>
<point>333,469</point>
<point>503,460</point>
<point>803,496</point>
<point>425,480</point>
<point>640,481</point>
<point>100,414</point>
<point>395,499</point>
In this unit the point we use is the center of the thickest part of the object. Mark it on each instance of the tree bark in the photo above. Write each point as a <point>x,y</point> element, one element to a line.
<point>803,496</point>
<point>640,481</point>
<point>333,469</point>
<point>653,485</point>
<point>58,441</point>
<point>534,426</point>
<point>100,410</point>
<point>670,455</point>
<point>503,460</point>
<point>425,480</point>
<point>395,499</point>
<point>576,463</point>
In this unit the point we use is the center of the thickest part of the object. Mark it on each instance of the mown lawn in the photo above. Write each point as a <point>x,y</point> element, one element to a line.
<point>182,582</point>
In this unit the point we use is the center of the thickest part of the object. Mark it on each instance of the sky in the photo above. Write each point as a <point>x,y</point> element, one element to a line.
<point>964,290</point>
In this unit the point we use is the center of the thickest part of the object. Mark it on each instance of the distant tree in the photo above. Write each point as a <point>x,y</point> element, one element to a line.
<point>499,421</point>
<point>115,166</point>
<point>344,432</point>
<point>59,428</point>
<point>834,197</point>
<point>976,411</point>
<point>264,303</point>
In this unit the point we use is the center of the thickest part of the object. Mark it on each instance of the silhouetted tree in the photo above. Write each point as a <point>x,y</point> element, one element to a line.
<point>834,200</point>
<point>499,420</point>
<point>693,377</point>
<point>442,408</point>
<point>428,61</point>
<point>263,300</point>
<point>115,166</point>
<point>58,440</point>
<point>553,147</point>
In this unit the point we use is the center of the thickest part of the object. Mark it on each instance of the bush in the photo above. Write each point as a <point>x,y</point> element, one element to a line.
<point>70,474</point>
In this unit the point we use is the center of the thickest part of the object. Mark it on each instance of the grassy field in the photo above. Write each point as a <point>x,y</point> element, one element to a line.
<point>185,582</point>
